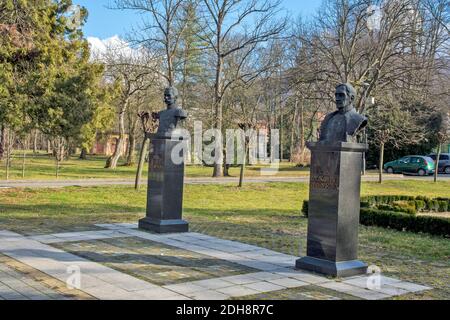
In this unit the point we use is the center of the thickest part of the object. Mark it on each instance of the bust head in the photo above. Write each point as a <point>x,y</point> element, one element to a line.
<point>345,97</point>
<point>170,97</point>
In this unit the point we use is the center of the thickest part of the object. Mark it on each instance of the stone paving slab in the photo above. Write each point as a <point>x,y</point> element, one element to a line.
<point>238,291</point>
<point>78,236</point>
<point>264,286</point>
<point>288,283</point>
<point>386,285</point>
<point>14,286</point>
<point>213,284</point>
<point>208,295</point>
<point>221,249</point>
<point>354,291</point>
<point>154,262</point>
<point>411,287</point>
<point>97,280</point>
<point>276,272</point>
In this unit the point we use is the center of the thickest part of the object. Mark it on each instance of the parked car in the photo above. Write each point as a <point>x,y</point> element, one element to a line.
<point>411,165</point>
<point>444,162</point>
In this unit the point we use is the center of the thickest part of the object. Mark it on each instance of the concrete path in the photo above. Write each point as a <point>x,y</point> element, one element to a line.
<point>275,269</point>
<point>14,286</point>
<point>111,182</point>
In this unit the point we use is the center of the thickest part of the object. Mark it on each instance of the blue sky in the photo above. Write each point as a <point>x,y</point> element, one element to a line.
<point>104,23</point>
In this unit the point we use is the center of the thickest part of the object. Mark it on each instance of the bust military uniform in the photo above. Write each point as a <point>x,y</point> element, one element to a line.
<point>342,126</point>
<point>168,121</point>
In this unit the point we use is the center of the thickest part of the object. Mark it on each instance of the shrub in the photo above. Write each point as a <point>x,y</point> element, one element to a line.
<point>395,208</point>
<point>365,204</point>
<point>405,206</point>
<point>443,206</point>
<point>405,222</point>
<point>420,205</point>
<point>385,216</point>
<point>433,205</point>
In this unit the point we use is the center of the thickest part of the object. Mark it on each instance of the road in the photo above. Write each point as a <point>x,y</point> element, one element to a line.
<point>112,182</point>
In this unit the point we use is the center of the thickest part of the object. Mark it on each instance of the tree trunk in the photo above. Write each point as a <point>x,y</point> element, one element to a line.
<point>242,173</point>
<point>83,154</point>
<point>170,71</point>
<point>131,146</point>
<point>8,150</point>
<point>184,81</point>
<point>49,147</point>
<point>23,163</point>
<point>226,170</point>
<point>114,159</point>
<point>141,163</point>
<point>7,167</point>
<point>35,142</point>
<point>364,157</point>
<point>59,151</point>
<point>381,163</point>
<point>302,133</point>
<point>218,165</point>
<point>57,168</point>
<point>298,155</point>
<point>2,142</point>
<point>292,144</point>
<point>438,156</point>
<point>281,131</point>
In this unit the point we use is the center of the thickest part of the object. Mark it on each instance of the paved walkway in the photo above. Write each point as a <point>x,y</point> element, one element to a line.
<point>108,182</point>
<point>14,286</point>
<point>274,270</point>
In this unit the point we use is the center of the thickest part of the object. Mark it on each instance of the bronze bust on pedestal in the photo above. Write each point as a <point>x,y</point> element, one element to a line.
<point>170,118</point>
<point>334,199</point>
<point>344,124</point>
<point>166,176</point>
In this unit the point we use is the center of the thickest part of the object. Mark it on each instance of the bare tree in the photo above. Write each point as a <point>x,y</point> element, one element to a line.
<point>227,33</point>
<point>129,68</point>
<point>161,30</point>
<point>390,124</point>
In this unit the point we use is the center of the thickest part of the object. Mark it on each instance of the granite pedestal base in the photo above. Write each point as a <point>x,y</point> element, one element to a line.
<point>334,208</point>
<point>165,187</point>
<point>164,226</point>
<point>336,269</point>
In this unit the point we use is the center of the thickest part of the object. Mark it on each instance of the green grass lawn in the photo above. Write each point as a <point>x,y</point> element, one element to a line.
<point>42,167</point>
<point>267,215</point>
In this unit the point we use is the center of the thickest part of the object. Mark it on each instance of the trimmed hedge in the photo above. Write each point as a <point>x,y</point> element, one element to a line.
<point>421,203</point>
<point>405,222</point>
<point>397,220</point>
<point>386,207</point>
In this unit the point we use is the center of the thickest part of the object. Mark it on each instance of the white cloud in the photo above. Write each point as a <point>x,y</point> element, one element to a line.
<point>101,49</point>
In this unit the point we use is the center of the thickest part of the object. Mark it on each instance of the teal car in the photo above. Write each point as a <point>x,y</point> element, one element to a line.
<point>419,165</point>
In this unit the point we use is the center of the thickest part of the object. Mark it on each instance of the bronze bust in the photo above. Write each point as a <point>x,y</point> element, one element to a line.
<point>344,124</point>
<point>170,118</point>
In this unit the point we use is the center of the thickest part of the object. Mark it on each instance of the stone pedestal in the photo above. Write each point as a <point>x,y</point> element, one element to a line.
<point>334,208</point>
<point>165,188</point>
